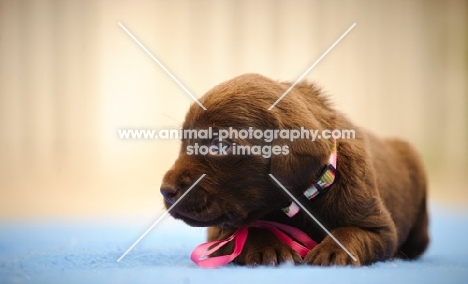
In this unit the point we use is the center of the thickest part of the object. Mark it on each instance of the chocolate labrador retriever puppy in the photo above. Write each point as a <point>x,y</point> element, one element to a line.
<point>375,207</point>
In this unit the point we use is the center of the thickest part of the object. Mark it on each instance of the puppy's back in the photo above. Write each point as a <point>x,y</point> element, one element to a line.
<point>402,186</point>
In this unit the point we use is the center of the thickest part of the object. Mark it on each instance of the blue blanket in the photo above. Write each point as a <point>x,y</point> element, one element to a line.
<point>86,251</point>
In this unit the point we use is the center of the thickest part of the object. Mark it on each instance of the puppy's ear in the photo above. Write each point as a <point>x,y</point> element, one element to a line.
<point>304,110</point>
<point>300,161</point>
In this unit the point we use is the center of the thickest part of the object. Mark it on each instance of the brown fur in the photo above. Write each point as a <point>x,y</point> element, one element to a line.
<point>376,207</point>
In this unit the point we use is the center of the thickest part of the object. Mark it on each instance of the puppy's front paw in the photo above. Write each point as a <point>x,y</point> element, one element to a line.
<point>270,256</point>
<point>329,253</point>
<point>263,248</point>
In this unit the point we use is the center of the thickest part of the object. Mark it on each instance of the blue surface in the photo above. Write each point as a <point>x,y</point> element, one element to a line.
<point>87,252</point>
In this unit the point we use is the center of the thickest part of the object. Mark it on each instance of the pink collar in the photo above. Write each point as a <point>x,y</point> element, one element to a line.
<point>302,243</point>
<point>325,180</point>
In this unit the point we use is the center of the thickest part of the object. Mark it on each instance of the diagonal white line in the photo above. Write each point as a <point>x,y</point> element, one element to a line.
<point>313,65</point>
<point>313,218</point>
<point>162,66</point>
<point>160,218</point>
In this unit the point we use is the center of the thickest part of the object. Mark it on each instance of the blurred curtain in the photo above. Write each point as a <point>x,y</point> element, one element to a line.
<point>70,77</point>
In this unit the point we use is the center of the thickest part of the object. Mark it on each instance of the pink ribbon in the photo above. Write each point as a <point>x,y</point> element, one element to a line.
<point>300,242</point>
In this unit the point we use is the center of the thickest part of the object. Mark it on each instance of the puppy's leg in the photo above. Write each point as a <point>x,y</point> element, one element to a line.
<point>418,238</point>
<point>367,245</point>
<point>261,248</point>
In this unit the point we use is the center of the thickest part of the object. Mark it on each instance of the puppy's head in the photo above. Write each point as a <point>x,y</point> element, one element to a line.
<point>236,188</point>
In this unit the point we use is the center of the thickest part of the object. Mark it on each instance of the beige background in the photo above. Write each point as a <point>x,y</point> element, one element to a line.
<point>70,77</point>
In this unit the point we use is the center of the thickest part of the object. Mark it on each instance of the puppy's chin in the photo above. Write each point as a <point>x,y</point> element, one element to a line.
<point>196,216</point>
<point>221,220</point>
<point>225,219</point>
<point>211,218</point>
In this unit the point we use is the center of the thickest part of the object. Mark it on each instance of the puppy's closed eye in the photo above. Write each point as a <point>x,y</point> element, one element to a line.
<point>221,147</point>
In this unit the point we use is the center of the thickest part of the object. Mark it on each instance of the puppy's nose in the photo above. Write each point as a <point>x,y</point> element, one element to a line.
<point>170,193</point>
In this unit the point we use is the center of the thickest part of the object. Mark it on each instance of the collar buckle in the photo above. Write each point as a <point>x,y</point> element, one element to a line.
<point>325,179</point>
